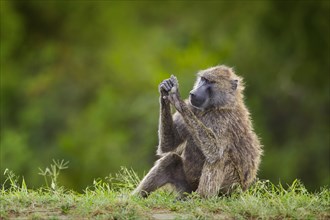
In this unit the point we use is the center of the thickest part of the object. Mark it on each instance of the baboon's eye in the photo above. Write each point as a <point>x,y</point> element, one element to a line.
<point>203,79</point>
<point>234,84</point>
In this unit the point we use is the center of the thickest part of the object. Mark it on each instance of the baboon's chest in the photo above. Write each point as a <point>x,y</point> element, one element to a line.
<point>218,123</point>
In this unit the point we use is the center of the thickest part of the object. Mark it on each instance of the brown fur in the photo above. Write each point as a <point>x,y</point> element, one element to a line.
<point>219,147</point>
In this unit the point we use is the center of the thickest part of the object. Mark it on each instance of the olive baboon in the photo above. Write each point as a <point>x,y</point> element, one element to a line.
<point>213,129</point>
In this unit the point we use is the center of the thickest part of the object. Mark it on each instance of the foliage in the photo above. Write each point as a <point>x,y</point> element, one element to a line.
<point>79,80</point>
<point>53,173</point>
<point>125,178</point>
<point>263,200</point>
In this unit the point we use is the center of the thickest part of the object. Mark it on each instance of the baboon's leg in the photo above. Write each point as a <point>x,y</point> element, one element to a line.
<point>178,177</point>
<point>168,169</point>
<point>211,179</point>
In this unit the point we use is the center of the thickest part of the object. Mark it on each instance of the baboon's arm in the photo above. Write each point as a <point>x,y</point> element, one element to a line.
<point>203,136</point>
<point>169,138</point>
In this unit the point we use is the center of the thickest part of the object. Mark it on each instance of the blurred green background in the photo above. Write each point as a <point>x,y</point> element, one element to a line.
<point>79,81</point>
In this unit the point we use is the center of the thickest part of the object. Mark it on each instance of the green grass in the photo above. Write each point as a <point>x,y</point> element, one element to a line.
<point>111,199</point>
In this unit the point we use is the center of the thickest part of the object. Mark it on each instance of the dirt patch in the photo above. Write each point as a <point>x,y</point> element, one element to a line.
<point>166,216</point>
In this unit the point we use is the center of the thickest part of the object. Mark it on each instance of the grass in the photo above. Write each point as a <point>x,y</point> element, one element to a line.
<point>111,199</point>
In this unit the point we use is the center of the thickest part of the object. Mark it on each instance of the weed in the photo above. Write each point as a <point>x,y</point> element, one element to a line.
<point>124,179</point>
<point>53,173</point>
<point>11,182</point>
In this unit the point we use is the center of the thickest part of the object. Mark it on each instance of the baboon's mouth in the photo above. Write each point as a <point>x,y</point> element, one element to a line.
<point>197,103</point>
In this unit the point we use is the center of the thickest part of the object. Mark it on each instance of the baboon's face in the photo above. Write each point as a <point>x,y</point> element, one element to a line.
<point>214,87</point>
<point>200,96</point>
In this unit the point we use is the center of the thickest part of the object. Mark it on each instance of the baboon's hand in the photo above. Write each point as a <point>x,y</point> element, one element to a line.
<point>169,90</point>
<point>168,86</point>
<point>164,87</point>
<point>174,95</point>
<point>175,84</point>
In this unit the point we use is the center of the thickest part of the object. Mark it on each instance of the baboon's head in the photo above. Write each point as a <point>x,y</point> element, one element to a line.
<point>216,87</point>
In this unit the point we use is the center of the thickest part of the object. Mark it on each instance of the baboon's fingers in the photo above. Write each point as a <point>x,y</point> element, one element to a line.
<point>168,85</point>
<point>174,81</point>
<point>170,82</point>
<point>165,86</point>
<point>160,87</point>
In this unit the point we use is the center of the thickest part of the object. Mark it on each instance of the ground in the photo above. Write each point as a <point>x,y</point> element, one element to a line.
<point>112,199</point>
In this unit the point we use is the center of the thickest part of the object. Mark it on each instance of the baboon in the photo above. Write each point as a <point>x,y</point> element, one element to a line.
<point>208,145</point>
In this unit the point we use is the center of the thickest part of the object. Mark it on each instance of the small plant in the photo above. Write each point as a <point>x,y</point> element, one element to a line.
<point>124,179</point>
<point>12,180</point>
<point>99,186</point>
<point>53,173</point>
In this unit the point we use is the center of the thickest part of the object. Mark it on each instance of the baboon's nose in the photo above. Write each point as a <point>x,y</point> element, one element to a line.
<point>192,93</point>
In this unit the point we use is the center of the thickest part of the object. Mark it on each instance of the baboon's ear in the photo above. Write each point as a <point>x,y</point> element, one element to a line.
<point>234,84</point>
